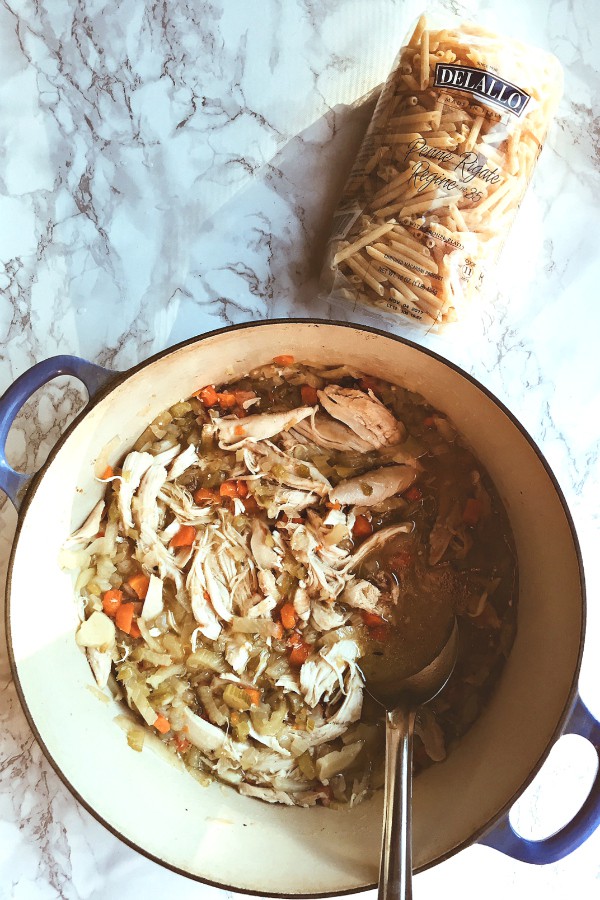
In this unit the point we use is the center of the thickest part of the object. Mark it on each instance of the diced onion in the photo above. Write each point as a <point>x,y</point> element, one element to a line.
<point>338,533</point>
<point>206,659</point>
<point>73,559</point>
<point>236,697</point>
<point>212,710</point>
<point>337,761</point>
<point>246,625</point>
<point>103,458</point>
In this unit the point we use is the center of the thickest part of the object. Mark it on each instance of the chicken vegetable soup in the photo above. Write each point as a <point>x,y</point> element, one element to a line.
<point>262,538</point>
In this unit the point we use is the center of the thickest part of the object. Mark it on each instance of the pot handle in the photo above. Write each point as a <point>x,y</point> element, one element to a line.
<point>503,838</point>
<point>14,484</point>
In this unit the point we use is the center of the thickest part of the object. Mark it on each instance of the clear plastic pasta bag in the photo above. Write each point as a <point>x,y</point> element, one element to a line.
<point>442,169</point>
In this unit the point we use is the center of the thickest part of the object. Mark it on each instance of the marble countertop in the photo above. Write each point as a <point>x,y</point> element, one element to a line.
<point>168,168</point>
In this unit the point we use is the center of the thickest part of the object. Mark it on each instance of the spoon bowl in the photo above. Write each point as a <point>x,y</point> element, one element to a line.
<point>422,686</point>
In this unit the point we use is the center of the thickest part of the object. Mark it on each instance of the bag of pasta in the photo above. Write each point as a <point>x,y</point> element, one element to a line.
<point>440,174</point>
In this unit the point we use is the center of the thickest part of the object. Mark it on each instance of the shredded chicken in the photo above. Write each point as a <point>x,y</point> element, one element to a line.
<point>320,675</point>
<point>373,487</point>
<point>182,462</point>
<point>232,574</point>
<point>88,530</point>
<point>331,435</point>
<point>267,459</point>
<point>134,467</point>
<point>362,594</point>
<point>234,433</point>
<point>364,414</point>
<point>202,608</point>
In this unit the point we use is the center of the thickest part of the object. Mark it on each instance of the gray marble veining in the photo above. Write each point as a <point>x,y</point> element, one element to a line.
<point>171,167</point>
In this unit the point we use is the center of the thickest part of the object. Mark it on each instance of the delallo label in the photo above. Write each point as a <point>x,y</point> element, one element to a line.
<point>482,84</point>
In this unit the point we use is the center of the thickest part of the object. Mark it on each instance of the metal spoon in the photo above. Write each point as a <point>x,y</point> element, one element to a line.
<point>402,696</point>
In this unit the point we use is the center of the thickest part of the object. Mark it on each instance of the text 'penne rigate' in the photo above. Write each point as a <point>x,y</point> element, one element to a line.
<point>442,169</point>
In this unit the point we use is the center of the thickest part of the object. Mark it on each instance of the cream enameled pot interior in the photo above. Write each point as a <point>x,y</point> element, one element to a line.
<point>215,834</point>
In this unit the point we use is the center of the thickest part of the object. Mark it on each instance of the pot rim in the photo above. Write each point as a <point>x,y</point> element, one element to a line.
<point>119,378</point>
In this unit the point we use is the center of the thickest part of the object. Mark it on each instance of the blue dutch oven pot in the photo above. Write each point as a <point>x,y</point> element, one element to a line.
<point>154,385</point>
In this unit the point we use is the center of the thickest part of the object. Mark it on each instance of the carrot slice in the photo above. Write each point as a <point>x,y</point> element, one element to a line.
<point>413,493</point>
<point>234,489</point>
<point>140,584</point>
<point>288,616</point>
<point>207,395</point>
<point>162,725</point>
<point>283,360</point>
<point>111,601</point>
<point>228,489</point>
<point>134,631</point>
<point>124,617</point>
<point>227,401</point>
<point>309,395</point>
<point>362,527</point>
<point>185,537</point>
<point>205,494</point>
<point>300,654</point>
<point>108,473</point>
<point>372,619</point>
<point>242,396</point>
<point>253,694</point>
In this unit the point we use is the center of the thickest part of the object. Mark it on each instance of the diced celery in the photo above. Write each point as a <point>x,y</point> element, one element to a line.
<point>307,766</point>
<point>135,738</point>
<point>236,697</point>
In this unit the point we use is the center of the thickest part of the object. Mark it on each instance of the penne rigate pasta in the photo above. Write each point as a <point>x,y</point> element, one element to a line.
<point>444,165</point>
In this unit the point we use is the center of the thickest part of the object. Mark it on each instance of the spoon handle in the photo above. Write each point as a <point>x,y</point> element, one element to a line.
<point>395,873</point>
